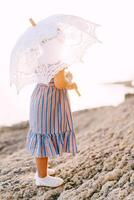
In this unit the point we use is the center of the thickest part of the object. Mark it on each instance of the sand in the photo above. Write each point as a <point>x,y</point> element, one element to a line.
<point>102,169</point>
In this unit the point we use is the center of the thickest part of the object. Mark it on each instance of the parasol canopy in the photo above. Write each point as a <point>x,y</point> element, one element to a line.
<point>47,47</point>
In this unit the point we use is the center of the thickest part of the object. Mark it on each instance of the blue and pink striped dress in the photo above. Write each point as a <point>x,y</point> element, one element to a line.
<point>51,130</point>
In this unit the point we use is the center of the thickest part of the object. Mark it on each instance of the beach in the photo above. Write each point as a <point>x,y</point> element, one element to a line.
<point>102,169</point>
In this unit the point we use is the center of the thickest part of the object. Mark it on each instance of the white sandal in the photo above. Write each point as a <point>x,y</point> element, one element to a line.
<point>48,181</point>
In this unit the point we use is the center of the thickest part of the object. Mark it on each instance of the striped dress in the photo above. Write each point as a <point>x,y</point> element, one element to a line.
<point>51,130</point>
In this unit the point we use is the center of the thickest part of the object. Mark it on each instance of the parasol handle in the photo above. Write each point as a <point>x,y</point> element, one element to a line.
<point>32,22</point>
<point>78,92</point>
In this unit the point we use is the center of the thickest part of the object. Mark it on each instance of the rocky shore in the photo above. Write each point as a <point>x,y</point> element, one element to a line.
<point>103,169</point>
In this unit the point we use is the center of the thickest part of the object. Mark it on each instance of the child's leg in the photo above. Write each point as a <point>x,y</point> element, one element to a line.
<point>43,179</point>
<point>42,165</point>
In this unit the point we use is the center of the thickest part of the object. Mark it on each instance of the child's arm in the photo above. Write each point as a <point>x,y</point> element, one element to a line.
<point>60,81</point>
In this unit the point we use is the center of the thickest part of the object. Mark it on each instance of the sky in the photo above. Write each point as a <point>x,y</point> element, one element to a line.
<point>110,61</point>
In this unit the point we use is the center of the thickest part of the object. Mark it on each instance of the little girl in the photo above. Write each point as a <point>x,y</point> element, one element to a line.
<point>51,130</point>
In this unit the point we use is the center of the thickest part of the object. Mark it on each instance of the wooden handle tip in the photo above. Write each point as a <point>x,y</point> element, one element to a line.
<point>32,22</point>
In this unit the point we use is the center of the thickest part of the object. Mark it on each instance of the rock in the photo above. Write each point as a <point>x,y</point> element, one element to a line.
<point>102,170</point>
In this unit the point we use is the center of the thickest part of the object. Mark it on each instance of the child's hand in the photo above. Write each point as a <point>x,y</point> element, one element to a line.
<point>74,85</point>
<point>68,77</point>
<point>71,86</point>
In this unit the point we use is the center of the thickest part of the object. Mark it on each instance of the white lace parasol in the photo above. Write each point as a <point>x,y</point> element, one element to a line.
<point>51,45</point>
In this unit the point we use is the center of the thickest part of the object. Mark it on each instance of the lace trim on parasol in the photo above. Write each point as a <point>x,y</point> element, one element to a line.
<point>42,74</point>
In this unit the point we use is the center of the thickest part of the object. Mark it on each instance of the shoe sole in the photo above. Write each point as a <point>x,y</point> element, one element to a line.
<point>50,186</point>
